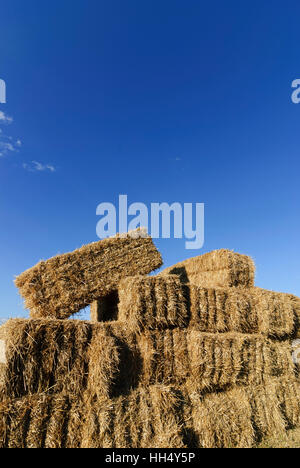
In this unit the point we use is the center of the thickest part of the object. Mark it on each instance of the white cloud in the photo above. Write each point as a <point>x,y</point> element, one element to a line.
<point>7,143</point>
<point>36,166</point>
<point>5,118</point>
<point>7,147</point>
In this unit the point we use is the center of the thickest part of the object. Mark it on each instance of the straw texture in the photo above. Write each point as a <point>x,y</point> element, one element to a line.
<point>45,356</point>
<point>220,268</point>
<point>162,302</point>
<point>55,356</point>
<point>252,310</point>
<point>211,362</point>
<point>152,303</point>
<point>157,417</point>
<point>65,284</point>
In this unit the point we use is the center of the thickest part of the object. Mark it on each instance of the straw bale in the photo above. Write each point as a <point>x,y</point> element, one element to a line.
<point>47,356</point>
<point>130,360</point>
<point>223,420</point>
<point>55,421</point>
<point>71,356</point>
<point>220,268</point>
<point>152,303</point>
<point>210,362</point>
<point>113,423</point>
<point>65,284</point>
<point>252,310</point>
<point>280,316</point>
<point>167,417</point>
<point>267,415</point>
<point>241,417</point>
<point>288,394</point>
<point>164,355</point>
<point>41,421</point>
<point>97,430</point>
<point>147,417</point>
<point>156,416</point>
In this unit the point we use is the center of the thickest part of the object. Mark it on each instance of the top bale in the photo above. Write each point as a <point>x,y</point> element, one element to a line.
<point>220,268</point>
<point>65,284</point>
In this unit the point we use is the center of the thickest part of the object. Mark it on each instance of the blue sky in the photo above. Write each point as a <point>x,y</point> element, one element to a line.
<point>162,101</point>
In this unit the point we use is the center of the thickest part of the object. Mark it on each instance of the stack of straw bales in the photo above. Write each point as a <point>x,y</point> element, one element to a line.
<point>194,357</point>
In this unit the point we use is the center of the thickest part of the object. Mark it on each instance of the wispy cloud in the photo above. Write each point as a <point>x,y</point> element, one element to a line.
<point>36,166</point>
<point>8,144</point>
<point>175,159</point>
<point>5,118</point>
